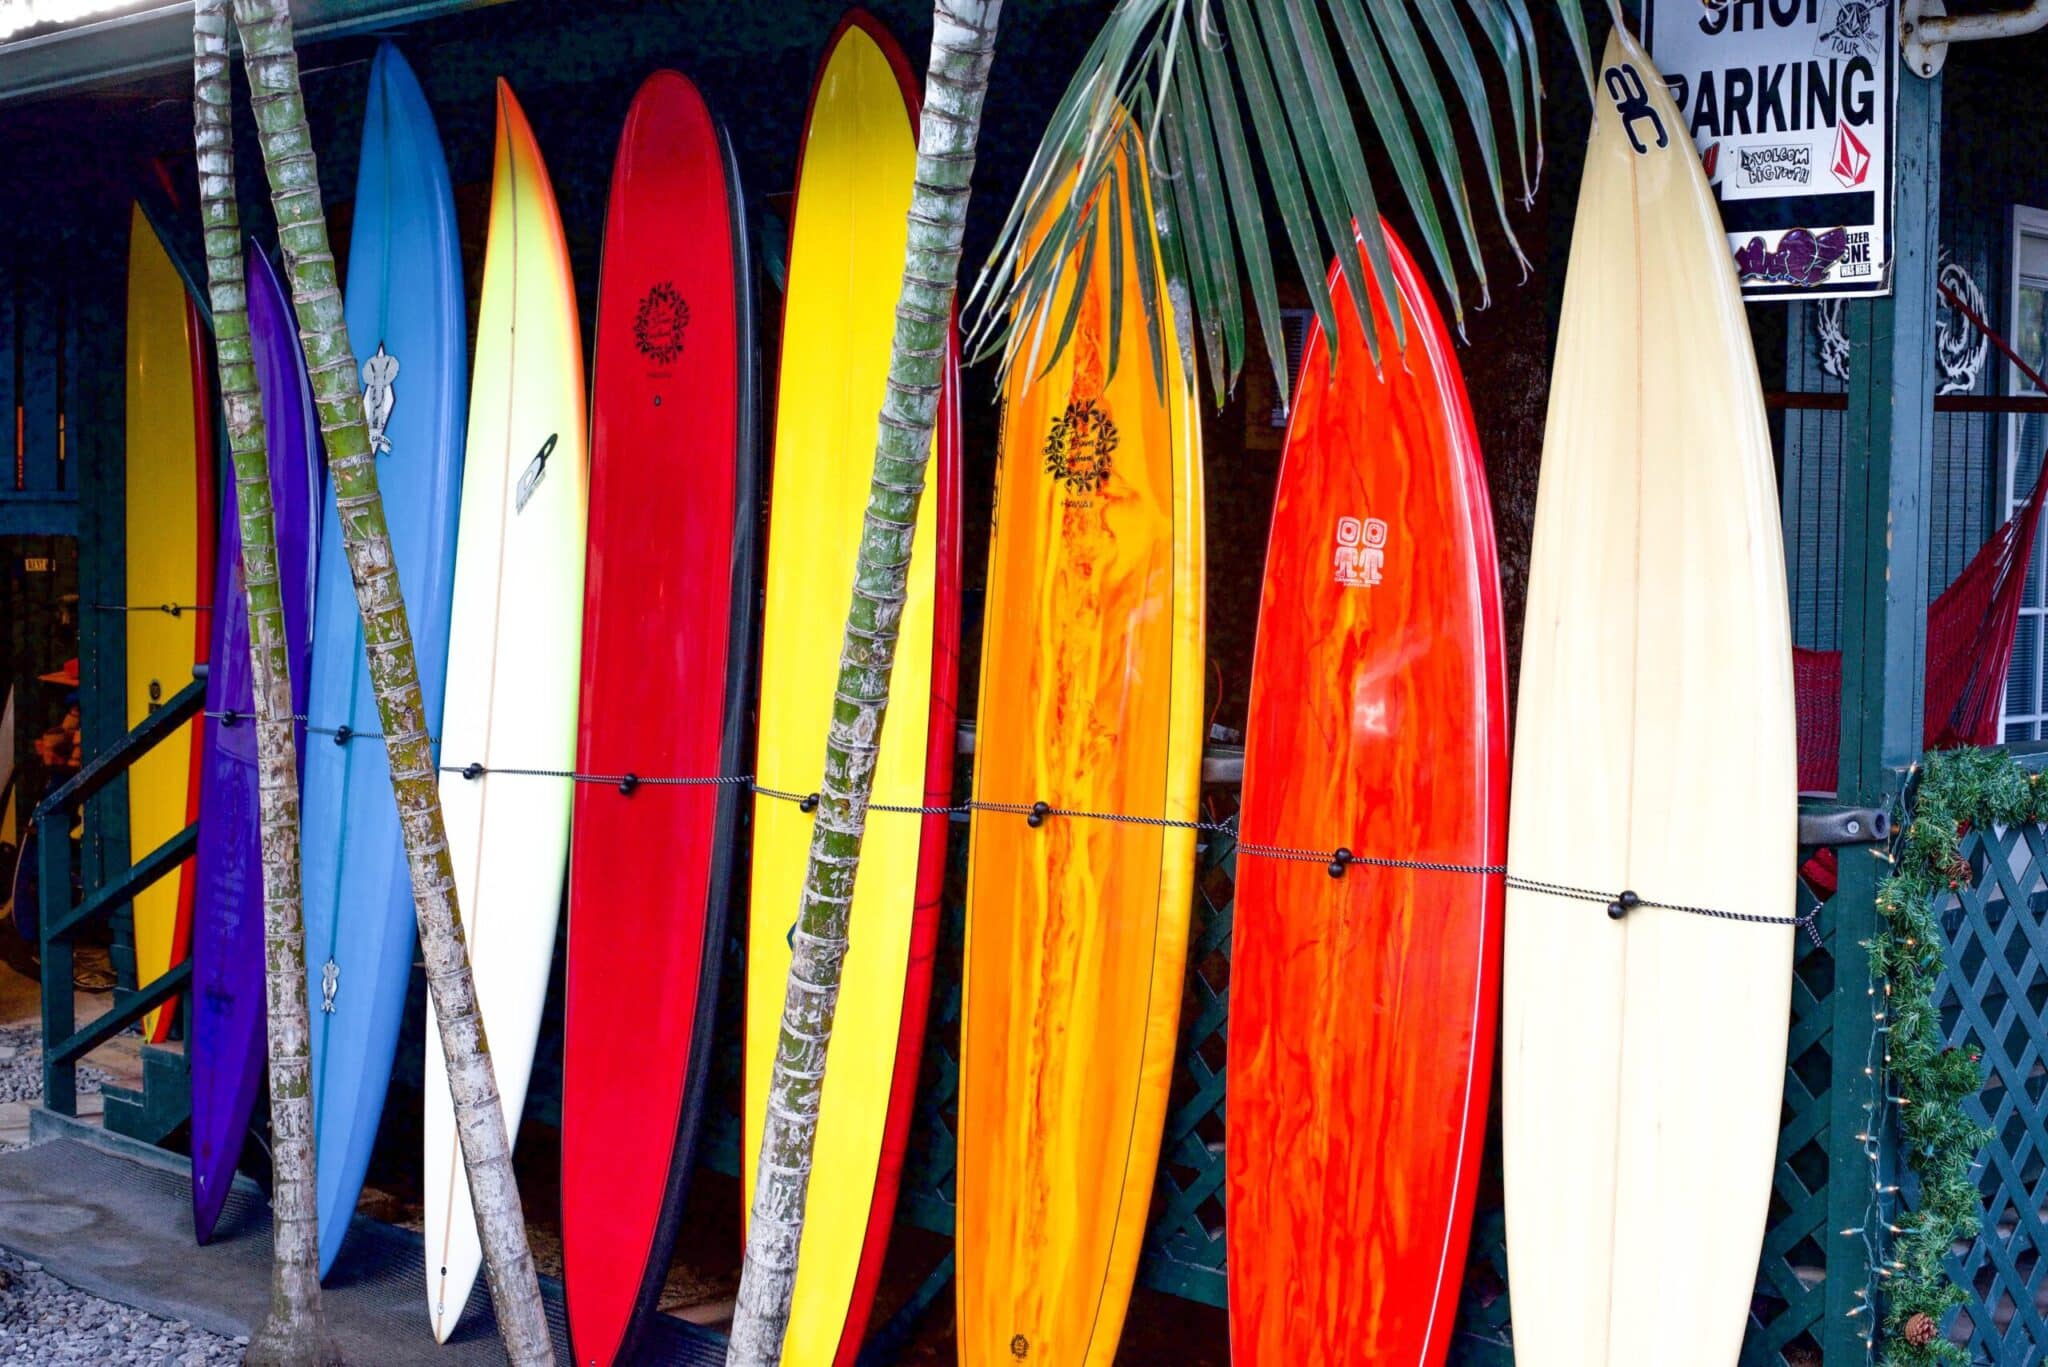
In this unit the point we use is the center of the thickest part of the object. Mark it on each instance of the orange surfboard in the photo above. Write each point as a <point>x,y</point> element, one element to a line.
<point>1091,692</point>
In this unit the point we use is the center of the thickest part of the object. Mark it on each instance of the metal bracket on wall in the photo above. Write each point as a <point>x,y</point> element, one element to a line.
<point>1926,29</point>
<point>1844,825</point>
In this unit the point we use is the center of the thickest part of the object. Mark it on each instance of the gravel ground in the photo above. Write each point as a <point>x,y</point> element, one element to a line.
<point>21,1066</point>
<point>44,1320</point>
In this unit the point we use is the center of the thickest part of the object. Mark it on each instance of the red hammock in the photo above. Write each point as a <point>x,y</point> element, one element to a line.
<point>1969,651</point>
<point>1969,633</point>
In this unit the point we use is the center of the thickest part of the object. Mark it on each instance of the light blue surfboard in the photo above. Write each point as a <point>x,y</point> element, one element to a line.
<point>407,323</point>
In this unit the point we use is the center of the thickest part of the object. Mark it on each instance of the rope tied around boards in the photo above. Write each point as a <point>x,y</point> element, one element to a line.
<point>1338,862</point>
<point>167,609</point>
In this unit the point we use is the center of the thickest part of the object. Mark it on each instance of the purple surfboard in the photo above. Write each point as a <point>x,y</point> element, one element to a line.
<point>227,1039</point>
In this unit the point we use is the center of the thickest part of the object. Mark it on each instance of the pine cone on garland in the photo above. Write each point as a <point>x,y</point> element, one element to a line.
<point>1920,1330</point>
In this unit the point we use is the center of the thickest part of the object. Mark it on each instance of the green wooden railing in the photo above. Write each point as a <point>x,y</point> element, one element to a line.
<point>62,921</point>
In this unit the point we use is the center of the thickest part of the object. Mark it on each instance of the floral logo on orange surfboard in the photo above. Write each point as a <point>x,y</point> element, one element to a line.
<point>1080,446</point>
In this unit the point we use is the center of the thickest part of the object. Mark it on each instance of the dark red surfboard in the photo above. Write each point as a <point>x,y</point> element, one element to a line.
<point>1362,1007</point>
<point>667,676</point>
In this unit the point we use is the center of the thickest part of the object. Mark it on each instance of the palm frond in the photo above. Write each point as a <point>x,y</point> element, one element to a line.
<point>1242,104</point>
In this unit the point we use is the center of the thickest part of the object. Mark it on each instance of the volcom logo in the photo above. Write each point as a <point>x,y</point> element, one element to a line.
<point>380,396</point>
<point>659,327</point>
<point>1854,29</point>
<point>535,469</point>
<point>1361,551</point>
<point>1079,449</point>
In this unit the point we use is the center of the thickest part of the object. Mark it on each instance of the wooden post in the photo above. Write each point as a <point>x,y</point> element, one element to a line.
<point>95,408</point>
<point>1886,477</point>
<point>53,873</point>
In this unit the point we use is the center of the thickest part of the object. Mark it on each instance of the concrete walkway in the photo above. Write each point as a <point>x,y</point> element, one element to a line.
<point>113,1218</point>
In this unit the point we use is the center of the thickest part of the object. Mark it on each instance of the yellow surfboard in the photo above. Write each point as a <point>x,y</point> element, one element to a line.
<point>170,534</point>
<point>1091,693</point>
<point>845,273</point>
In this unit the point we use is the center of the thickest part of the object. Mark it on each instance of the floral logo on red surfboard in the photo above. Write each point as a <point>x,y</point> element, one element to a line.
<point>659,327</point>
<point>1079,448</point>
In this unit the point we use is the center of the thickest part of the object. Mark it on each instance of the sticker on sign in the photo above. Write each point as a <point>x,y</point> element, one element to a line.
<point>1790,104</point>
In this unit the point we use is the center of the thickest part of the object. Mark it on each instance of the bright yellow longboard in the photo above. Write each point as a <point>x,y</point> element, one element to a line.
<point>170,526</point>
<point>1091,694</point>
<point>845,272</point>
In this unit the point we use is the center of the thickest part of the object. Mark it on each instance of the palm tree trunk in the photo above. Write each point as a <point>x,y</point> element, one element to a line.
<point>273,65</point>
<point>296,1331</point>
<point>956,83</point>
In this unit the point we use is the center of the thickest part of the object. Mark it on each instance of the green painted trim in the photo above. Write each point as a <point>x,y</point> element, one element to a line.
<point>58,920</point>
<point>66,1052</point>
<point>103,769</point>
<point>96,376</point>
<point>146,872</point>
<point>39,515</point>
<point>159,40</point>
<point>60,1017</point>
<point>1887,468</point>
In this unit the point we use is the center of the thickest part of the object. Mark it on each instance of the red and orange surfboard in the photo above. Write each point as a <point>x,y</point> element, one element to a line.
<point>1363,1006</point>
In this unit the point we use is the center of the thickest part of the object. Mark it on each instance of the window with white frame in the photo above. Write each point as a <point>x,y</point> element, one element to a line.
<point>2026,435</point>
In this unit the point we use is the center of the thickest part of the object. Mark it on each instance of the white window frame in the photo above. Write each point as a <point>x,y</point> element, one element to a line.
<point>2022,222</point>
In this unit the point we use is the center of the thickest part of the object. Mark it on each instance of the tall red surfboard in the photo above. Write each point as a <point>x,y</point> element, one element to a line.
<point>667,678</point>
<point>1362,1007</point>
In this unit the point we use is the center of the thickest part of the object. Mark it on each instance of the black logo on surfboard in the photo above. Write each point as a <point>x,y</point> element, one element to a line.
<point>1632,101</point>
<point>535,470</point>
<point>659,327</point>
<point>1080,447</point>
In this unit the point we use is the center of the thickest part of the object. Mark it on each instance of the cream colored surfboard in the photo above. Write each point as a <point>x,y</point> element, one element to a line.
<point>1643,1059</point>
<point>514,667</point>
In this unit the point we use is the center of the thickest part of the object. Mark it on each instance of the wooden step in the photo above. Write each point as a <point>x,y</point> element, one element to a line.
<point>160,1105</point>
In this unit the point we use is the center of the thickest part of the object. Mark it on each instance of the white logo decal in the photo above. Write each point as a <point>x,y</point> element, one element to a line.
<point>1361,551</point>
<point>330,979</point>
<point>380,394</point>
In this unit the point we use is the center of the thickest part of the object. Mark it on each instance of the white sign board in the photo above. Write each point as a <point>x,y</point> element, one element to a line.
<point>1790,103</point>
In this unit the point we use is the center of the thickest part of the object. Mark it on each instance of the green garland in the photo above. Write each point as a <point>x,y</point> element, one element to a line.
<point>1959,790</point>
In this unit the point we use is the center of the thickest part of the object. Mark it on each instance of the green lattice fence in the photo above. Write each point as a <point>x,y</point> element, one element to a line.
<point>1785,1314</point>
<point>1184,1246</point>
<point>1994,1000</point>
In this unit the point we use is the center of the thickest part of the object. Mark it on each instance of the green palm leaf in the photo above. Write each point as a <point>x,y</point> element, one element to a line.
<point>1257,111</point>
<point>1341,199</point>
<point>1454,46</point>
<point>1209,244</point>
<point>1246,205</point>
<point>1376,81</point>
